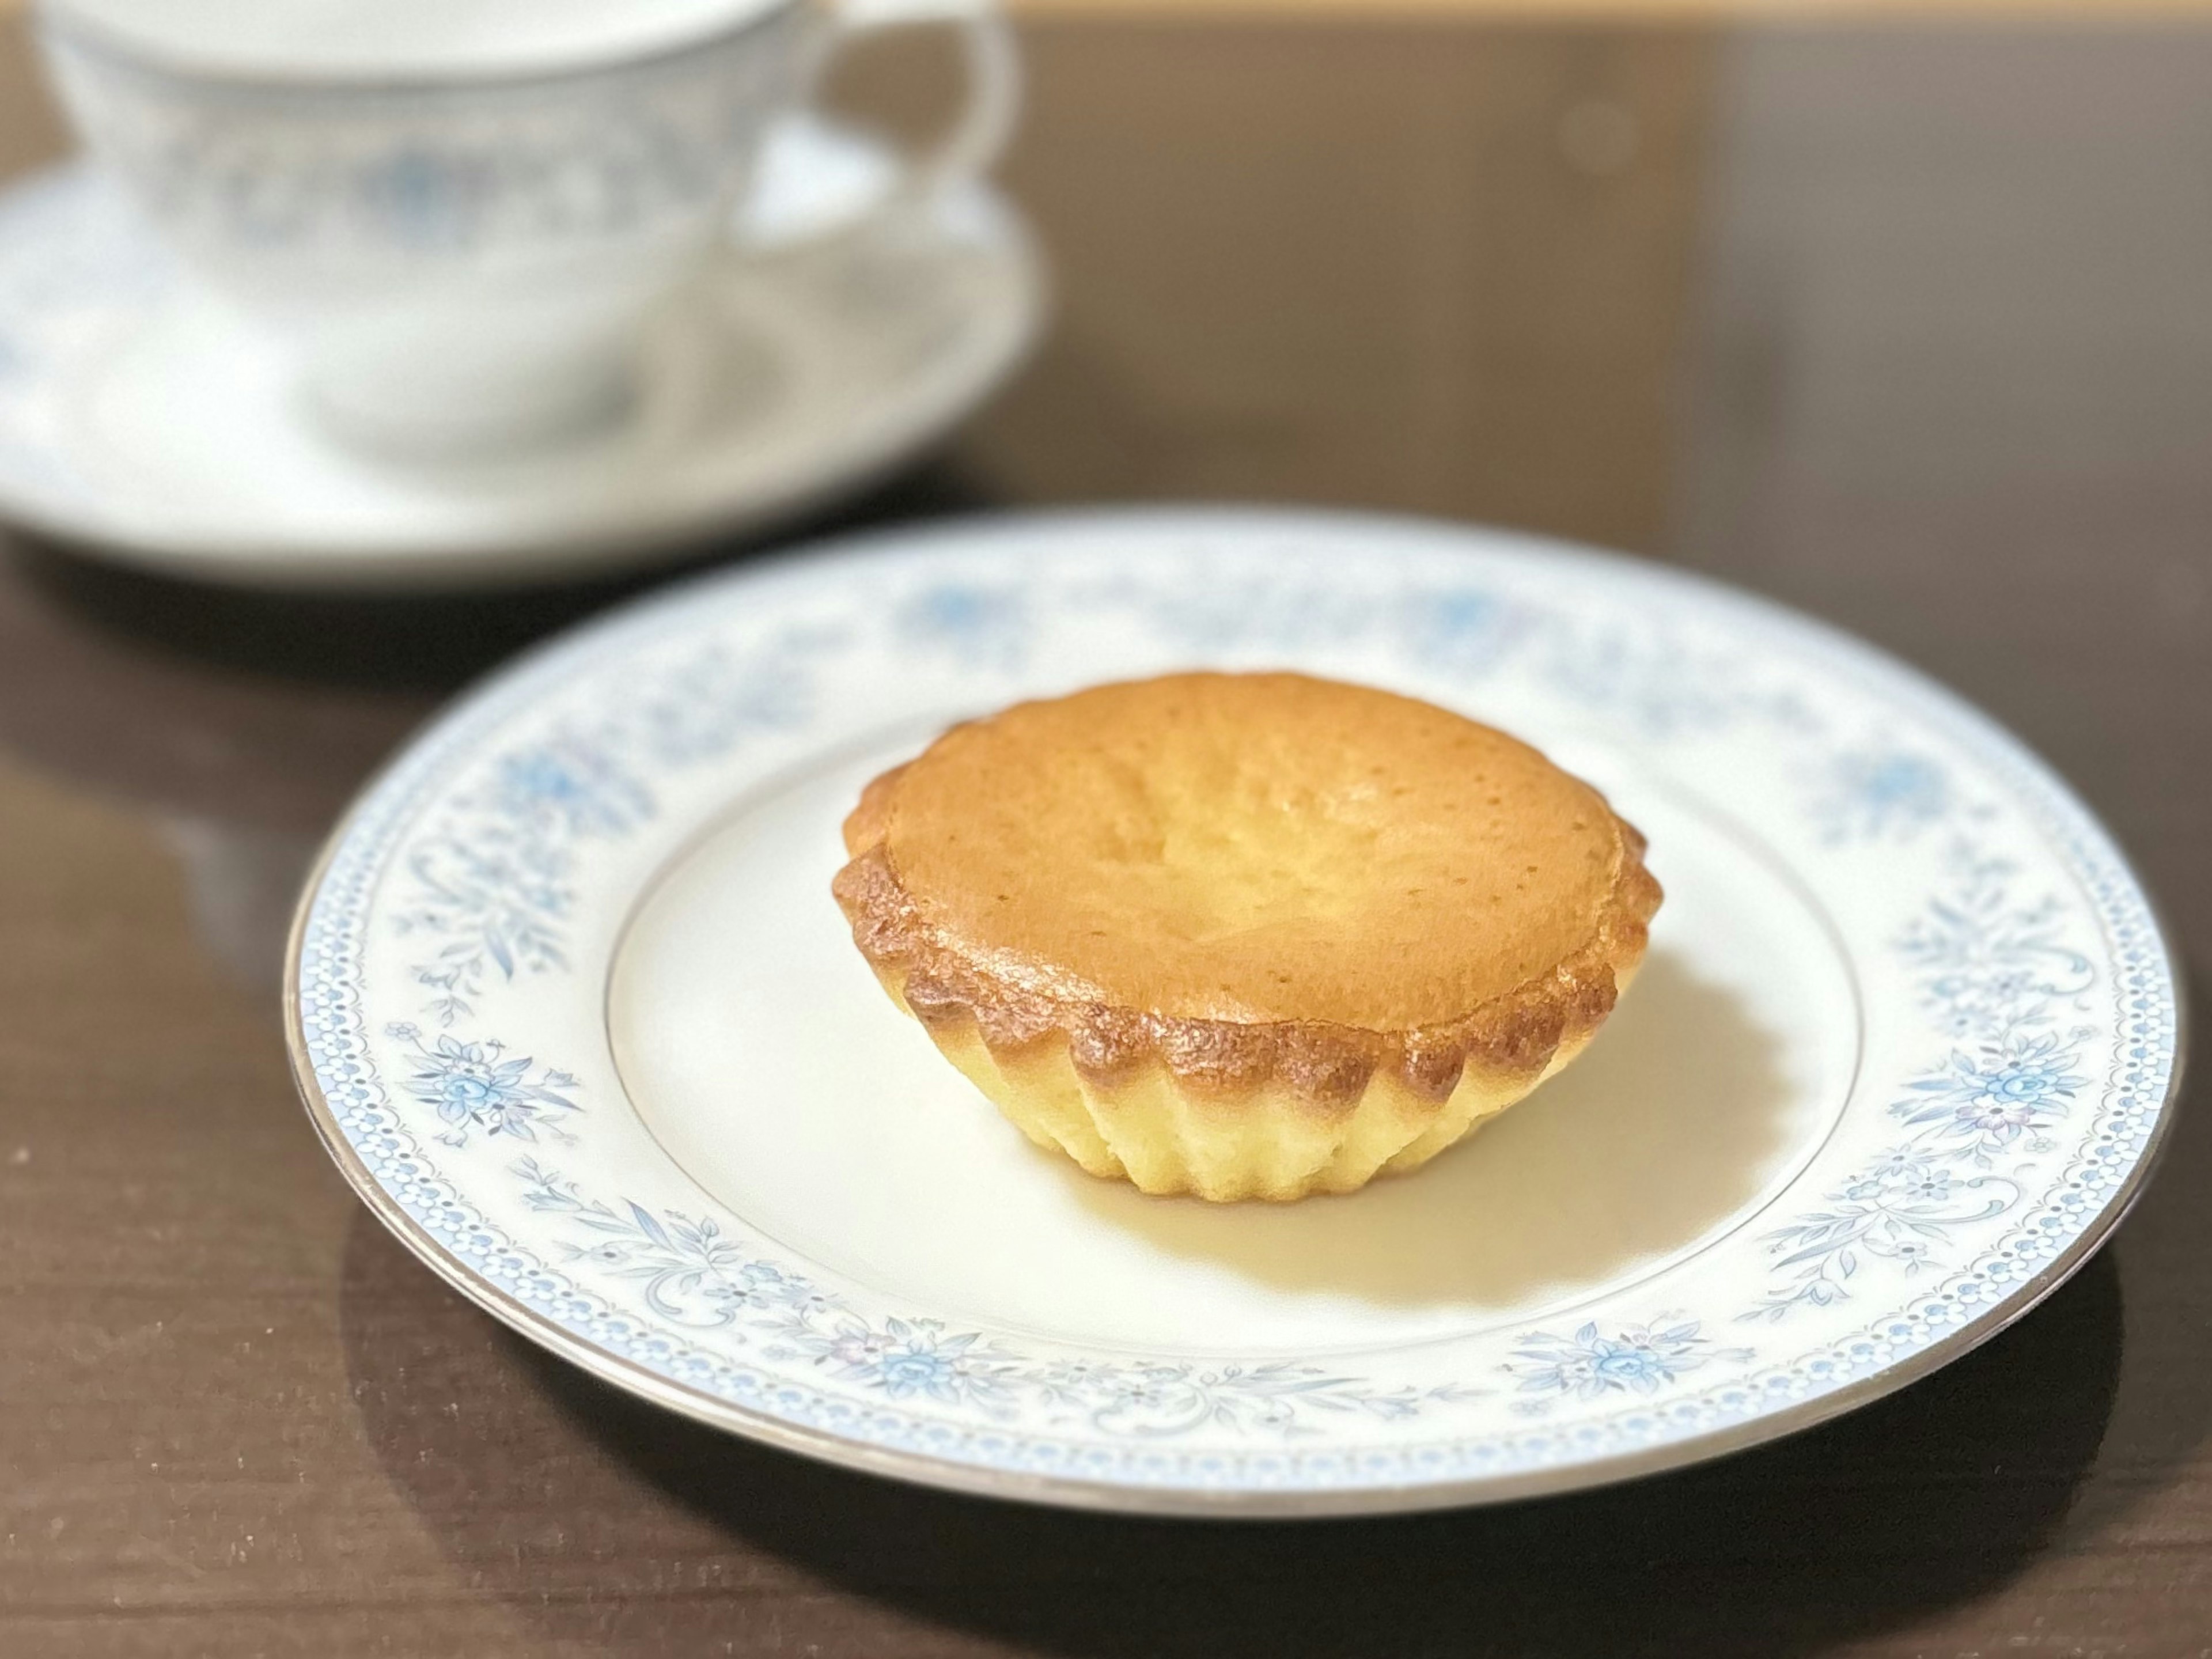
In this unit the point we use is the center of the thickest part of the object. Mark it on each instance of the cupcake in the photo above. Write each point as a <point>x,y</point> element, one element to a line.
<point>1245,935</point>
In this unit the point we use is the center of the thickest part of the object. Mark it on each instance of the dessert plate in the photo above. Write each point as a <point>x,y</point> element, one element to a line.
<point>147,423</point>
<point>573,1008</point>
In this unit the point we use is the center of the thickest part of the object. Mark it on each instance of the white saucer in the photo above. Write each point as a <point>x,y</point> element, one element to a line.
<point>144,421</point>
<point>575,1013</point>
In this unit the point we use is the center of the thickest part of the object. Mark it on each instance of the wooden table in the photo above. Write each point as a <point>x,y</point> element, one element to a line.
<point>1911,326</point>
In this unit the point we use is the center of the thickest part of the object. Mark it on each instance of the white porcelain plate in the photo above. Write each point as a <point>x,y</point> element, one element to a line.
<point>148,423</point>
<point>576,1014</point>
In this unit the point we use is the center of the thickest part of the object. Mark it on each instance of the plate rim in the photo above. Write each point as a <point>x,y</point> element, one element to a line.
<point>892,543</point>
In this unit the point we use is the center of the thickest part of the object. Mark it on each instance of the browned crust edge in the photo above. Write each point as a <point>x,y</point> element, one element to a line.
<point>943,981</point>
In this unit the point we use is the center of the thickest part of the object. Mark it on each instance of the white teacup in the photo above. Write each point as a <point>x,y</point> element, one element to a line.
<point>461,212</point>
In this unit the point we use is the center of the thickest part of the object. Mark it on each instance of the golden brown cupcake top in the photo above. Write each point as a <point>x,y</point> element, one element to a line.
<point>1214,853</point>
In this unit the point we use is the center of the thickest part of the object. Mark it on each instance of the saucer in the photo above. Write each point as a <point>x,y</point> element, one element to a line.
<point>572,1008</point>
<point>144,420</point>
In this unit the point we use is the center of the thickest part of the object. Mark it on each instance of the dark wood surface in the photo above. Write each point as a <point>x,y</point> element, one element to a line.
<point>1912,328</point>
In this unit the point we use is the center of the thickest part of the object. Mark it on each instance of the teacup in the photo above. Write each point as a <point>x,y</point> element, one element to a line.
<point>459,214</point>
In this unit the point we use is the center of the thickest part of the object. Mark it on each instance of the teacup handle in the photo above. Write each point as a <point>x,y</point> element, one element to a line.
<point>994,79</point>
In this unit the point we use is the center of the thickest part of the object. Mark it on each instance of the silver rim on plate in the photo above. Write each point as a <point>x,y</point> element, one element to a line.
<point>514,686</point>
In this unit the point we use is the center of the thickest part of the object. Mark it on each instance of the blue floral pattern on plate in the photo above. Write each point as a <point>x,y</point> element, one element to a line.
<point>475,1085</point>
<point>695,1274</point>
<point>1593,1363</point>
<point>2015,1078</point>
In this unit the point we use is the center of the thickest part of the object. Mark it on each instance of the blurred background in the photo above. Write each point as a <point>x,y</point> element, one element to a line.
<point>1899,312</point>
